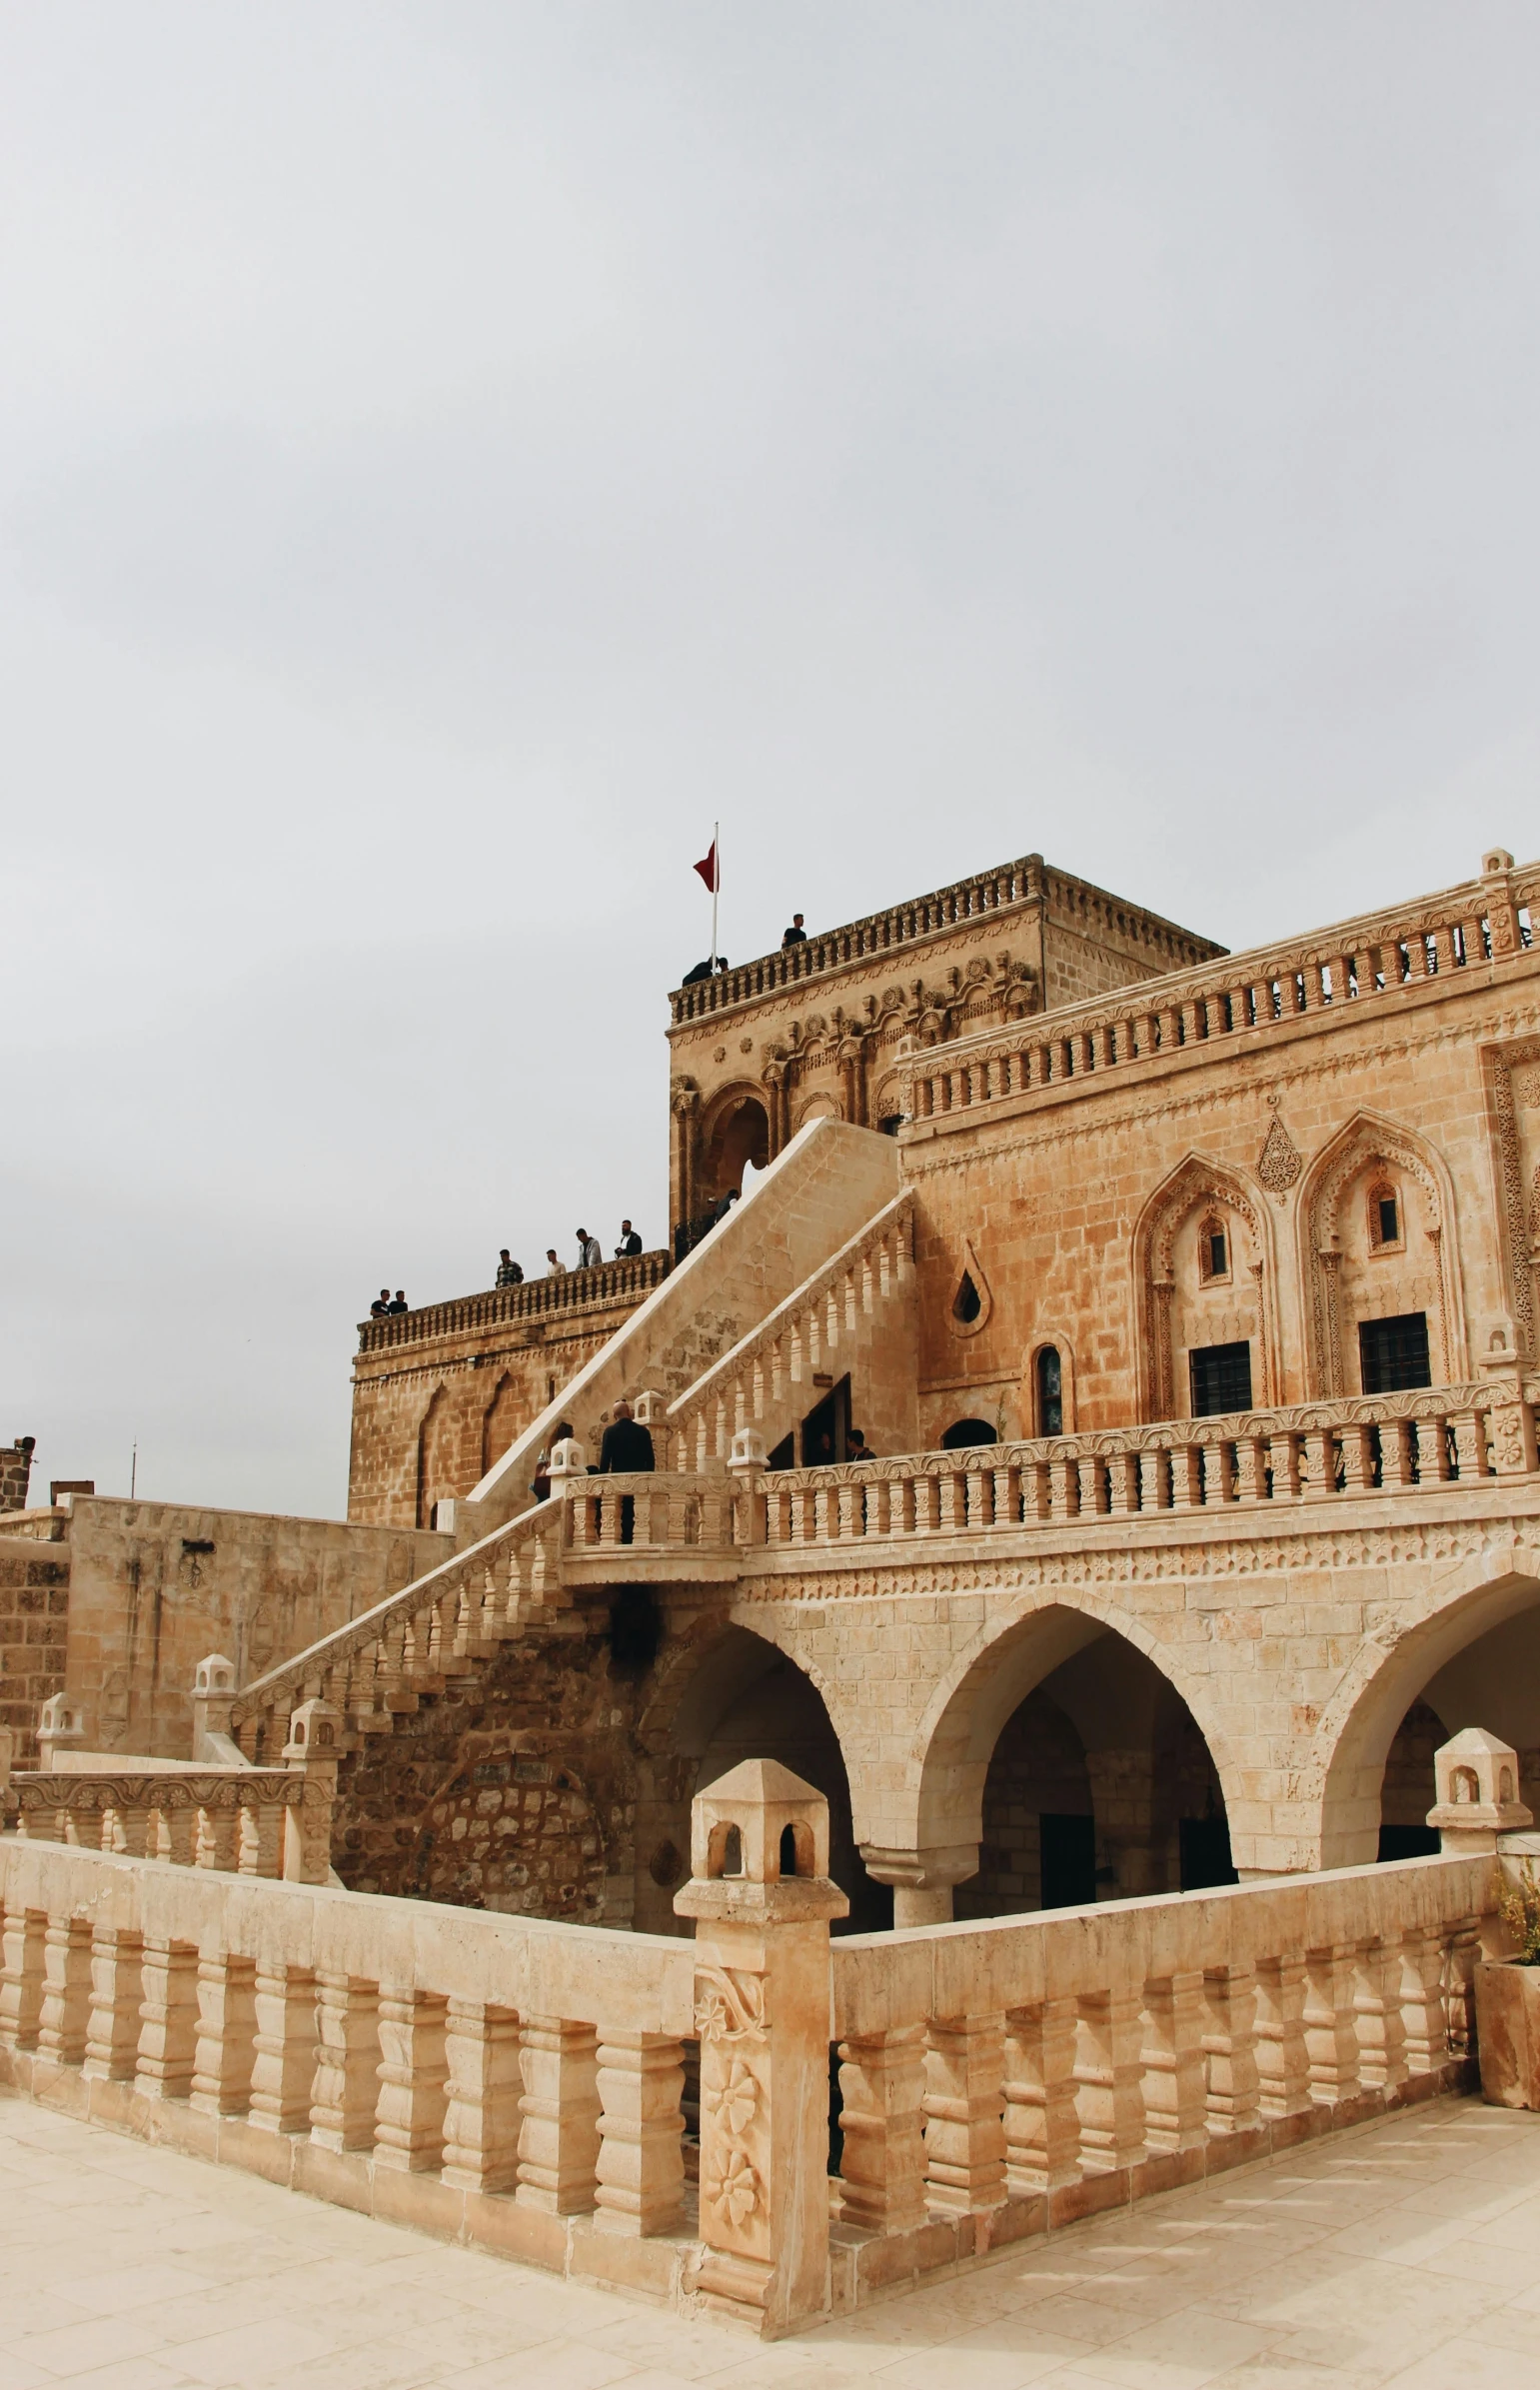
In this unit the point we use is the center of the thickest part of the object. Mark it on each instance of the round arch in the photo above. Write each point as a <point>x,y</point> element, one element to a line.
<point>735,1128</point>
<point>1008,1660</point>
<point>1358,1727</point>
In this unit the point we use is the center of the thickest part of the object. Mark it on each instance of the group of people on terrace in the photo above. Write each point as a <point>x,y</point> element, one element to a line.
<point>795,935</point>
<point>590,1257</point>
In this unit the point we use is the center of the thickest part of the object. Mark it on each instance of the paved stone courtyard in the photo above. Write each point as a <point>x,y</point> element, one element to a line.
<point>1405,2253</point>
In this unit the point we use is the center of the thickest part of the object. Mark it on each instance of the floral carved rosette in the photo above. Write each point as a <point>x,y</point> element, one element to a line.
<point>732,2021</point>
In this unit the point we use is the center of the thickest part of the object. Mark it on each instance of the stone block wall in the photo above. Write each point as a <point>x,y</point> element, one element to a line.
<point>34,1614</point>
<point>154,1586</point>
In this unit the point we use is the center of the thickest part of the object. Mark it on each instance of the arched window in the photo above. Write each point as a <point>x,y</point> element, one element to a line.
<point>1050,1392</point>
<point>1387,1232</point>
<point>1213,1250</point>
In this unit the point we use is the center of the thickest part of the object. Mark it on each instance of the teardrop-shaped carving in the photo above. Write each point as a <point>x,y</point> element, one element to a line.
<point>973,1301</point>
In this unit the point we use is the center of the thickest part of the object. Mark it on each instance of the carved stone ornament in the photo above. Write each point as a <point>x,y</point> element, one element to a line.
<point>1279,1163</point>
<point>733,2187</point>
<point>729,2005</point>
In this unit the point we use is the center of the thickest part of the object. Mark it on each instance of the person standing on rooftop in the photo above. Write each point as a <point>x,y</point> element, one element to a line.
<point>629,1242</point>
<point>797,935</point>
<point>589,1254</point>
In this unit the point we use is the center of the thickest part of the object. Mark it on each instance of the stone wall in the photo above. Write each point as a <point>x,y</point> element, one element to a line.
<point>154,1586</point>
<point>34,1606</point>
<point>1085,1211</point>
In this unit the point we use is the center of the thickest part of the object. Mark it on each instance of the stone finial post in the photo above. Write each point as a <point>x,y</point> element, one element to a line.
<point>213,1693</point>
<point>650,1409</point>
<point>745,1467</point>
<point>313,1748</point>
<point>61,1728</point>
<point>1478,1793</point>
<point>762,1897</point>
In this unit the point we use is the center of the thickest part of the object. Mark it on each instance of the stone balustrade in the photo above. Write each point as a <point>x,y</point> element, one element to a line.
<point>756,1380</point>
<point>257,1821</point>
<point>1374,959</point>
<point>519,2084</point>
<point>1359,1448</point>
<point>624,1281</point>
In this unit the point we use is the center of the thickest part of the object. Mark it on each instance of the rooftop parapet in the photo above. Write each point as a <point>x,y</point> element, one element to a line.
<point>1010,887</point>
<point>613,1282</point>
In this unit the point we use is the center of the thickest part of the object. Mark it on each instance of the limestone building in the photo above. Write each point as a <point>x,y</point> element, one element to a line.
<point>1186,1302</point>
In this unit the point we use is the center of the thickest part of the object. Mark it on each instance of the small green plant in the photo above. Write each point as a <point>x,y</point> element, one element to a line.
<point>1520,1906</point>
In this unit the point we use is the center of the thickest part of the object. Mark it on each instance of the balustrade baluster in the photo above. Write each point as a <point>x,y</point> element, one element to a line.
<point>1173,2062</point>
<point>1470,1444</point>
<point>559,2137</point>
<point>168,2011</point>
<point>881,2121</point>
<point>1064,1500</point>
<point>1251,1456</point>
<point>1230,2044</point>
<point>346,2088</point>
<point>408,2115</point>
<point>965,2115</point>
<point>1005,1497</point>
<point>1109,2073</point>
<point>66,2005</point>
<point>1186,1477</point>
<point>483,2092</point>
<point>1320,1466</point>
<point>1283,2059</point>
<point>1042,2117</point>
<point>1123,1484</point>
<point>112,2028</point>
<point>21,1976</point>
<point>1332,2039</point>
<point>978,1497</point>
<point>1396,1458</point>
<point>175,1830</point>
<point>640,2167</point>
<point>1420,1991</point>
<point>284,2049</point>
<point>225,2041</point>
<point>216,1838</point>
<point>1377,2012</point>
<point>1356,1443</point>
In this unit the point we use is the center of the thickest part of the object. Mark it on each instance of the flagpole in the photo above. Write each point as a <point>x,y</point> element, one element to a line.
<point>716,883</point>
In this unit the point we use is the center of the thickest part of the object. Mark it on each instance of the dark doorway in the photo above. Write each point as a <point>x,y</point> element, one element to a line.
<point>1205,1853</point>
<point>825,1430</point>
<point>1221,1379</point>
<point>1069,1846</point>
<point>964,1433</point>
<point>1408,1842</point>
<point>1393,1354</point>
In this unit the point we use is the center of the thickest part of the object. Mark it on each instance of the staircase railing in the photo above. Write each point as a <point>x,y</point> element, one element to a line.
<point>409,1644</point>
<point>753,1381</point>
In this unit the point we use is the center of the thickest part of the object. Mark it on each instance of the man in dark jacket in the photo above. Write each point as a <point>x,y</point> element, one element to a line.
<point>629,1242</point>
<point>625,1445</point>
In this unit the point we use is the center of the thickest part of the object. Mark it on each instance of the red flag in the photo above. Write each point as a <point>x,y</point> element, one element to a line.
<point>707,867</point>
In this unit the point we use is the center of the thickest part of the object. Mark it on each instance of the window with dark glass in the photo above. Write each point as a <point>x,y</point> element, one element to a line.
<point>1221,1379</point>
<point>1050,1392</point>
<point>1216,1260</point>
<point>967,1306</point>
<point>1393,1354</point>
<point>1389,1223</point>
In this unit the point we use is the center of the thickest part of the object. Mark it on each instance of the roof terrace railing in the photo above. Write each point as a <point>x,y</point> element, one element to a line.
<point>928,916</point>
<point>538,1298</point>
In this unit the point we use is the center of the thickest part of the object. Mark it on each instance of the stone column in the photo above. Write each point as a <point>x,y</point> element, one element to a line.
<point>480,2124</point>
<point>762,2017</point>
<point>922,1880</point>
<point>882,2119</point>
<point>641,2169</point>
<point>559,2139</point>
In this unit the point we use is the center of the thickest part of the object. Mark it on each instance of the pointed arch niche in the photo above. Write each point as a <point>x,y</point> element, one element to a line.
<point>1183,1305</point>
<point>1352,1276</point>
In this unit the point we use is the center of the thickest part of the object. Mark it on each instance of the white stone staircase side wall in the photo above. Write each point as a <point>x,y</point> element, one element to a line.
<point>815,1195</point>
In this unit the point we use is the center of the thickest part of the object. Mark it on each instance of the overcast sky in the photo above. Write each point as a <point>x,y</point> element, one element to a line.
<point>449,454</point>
